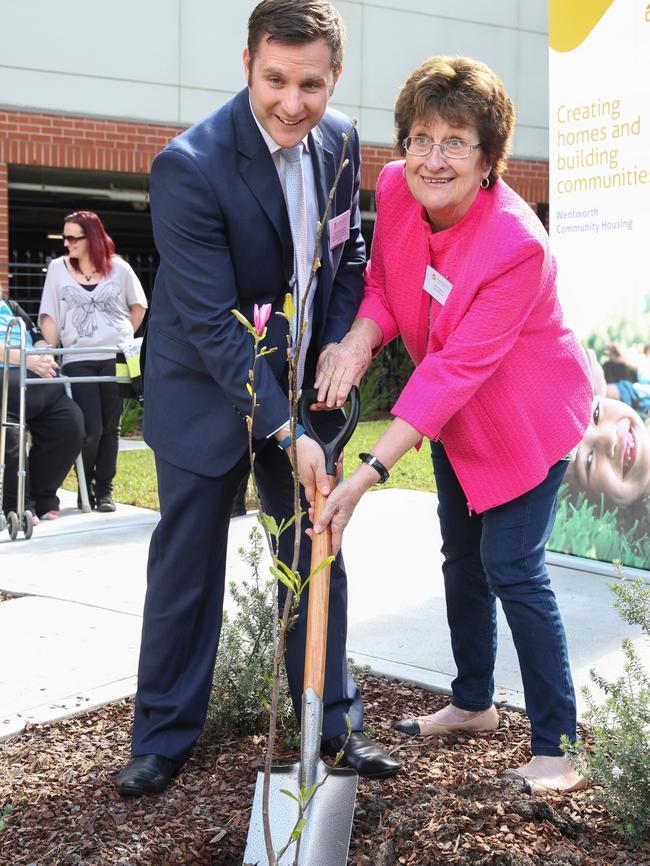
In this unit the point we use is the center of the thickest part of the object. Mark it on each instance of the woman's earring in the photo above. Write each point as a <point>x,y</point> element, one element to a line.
<point>485,183</point>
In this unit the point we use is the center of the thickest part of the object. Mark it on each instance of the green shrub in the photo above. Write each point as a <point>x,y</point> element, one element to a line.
<point>618,762</point>
<point>370,395</point>
<point>386,376</point>
<point>241,686</point>
<point>131,420</point>
<point>5,812</point>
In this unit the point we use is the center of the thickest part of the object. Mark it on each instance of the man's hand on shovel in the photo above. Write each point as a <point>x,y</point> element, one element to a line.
<point>311,467</point>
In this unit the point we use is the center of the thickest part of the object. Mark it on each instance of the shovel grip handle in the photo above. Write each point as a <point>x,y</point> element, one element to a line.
<point>319,594</point>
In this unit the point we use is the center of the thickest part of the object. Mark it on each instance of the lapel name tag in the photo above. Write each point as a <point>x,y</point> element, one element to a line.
<point>339,229</point>
<point>436,285</point>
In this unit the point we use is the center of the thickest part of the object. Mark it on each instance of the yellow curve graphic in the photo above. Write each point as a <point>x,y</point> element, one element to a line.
<point>571,21</point>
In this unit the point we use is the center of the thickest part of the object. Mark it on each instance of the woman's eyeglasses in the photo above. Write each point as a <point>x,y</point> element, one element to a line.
<point>453,148</point>
<point>72,238</point>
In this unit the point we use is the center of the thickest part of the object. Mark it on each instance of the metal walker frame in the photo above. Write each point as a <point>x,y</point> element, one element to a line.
<point>21,519</point>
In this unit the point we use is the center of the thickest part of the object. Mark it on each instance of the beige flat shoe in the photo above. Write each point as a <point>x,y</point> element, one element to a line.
<point>435,725</point>
<point>543,774</point>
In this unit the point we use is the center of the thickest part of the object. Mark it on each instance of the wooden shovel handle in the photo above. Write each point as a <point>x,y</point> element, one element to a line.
<point>319,595</point>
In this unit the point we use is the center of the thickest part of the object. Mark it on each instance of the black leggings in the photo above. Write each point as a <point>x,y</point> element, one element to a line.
<point>101,405</point>
<point>56,425</point>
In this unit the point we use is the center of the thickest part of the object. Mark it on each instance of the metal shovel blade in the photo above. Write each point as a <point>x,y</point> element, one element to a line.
<point>325,838</point>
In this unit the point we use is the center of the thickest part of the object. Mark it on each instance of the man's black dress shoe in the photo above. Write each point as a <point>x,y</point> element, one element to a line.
<point>146,774</point>
<point>364,756</point>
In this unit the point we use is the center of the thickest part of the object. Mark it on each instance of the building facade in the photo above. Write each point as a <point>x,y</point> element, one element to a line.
<point>87,100</point>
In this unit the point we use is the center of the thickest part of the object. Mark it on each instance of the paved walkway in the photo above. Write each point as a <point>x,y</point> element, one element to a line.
<point>69,642</point>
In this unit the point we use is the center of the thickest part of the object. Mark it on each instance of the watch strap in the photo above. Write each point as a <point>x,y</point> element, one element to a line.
<point>377,465</point>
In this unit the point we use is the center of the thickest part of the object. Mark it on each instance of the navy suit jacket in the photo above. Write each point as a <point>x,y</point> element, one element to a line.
<point>221,227</point>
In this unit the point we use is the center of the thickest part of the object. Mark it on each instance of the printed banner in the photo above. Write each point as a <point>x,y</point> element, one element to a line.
<point>599,222</point>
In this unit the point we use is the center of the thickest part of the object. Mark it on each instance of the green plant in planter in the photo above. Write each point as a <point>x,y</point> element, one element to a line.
<point>618,762</point>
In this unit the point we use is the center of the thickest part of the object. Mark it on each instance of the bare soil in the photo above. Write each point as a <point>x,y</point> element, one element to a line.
<point>447,806</point>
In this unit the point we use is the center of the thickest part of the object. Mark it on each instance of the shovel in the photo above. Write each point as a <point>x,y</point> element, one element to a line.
<point>325,837</point>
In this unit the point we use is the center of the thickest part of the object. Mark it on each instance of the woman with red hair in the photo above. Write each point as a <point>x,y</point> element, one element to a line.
<point>91,298</point>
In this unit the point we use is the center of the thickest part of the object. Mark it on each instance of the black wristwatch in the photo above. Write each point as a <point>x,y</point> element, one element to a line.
<point>377,465</point>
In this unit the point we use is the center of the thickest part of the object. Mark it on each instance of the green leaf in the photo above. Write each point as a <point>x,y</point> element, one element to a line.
<point>249,389</point>
<point>300,826</point>
<point>286,524</point>
<point>244,321</point>
<point>290,794</point>
<point>269,523</point>
<point>324,564</point>
<point>280,575</point>
<point>292,575</point>
<point>306,794</point>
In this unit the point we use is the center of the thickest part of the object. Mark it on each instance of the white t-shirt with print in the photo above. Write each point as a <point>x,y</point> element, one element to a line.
<point>99,317</point>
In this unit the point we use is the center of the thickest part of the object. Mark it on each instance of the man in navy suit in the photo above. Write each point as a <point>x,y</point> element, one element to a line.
<point>221,225</point>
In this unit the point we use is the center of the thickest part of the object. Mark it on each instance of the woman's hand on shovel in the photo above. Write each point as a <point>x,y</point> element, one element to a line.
<point>340,505</point>
<point>341,365</point>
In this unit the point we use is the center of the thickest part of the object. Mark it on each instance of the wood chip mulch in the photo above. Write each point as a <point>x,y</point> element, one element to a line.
<point>447,806</point>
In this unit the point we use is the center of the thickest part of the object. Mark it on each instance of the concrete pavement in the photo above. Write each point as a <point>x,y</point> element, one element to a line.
<point>69,639</point>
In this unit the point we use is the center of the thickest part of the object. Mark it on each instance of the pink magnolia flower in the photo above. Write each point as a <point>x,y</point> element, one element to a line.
<point>260,317</point>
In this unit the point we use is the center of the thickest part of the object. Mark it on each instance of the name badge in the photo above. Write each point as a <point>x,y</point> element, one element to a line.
<point>339,229</point>
<point>436,285</point>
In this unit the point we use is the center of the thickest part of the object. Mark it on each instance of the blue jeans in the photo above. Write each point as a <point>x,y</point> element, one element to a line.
<point>500,554</point>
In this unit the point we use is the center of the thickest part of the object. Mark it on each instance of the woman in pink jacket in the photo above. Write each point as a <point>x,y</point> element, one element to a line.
<point>461,270</point>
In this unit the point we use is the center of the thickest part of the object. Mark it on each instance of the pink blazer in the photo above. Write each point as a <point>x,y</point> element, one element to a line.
<point>498,378</point>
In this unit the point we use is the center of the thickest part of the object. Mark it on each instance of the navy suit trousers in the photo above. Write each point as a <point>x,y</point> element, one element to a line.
<point>183,606</point>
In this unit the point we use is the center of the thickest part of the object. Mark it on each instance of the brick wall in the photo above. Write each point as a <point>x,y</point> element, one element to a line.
<point>60,141</point>
<point>373,160</point>
<point>4,230</point>
<point>529,178</point>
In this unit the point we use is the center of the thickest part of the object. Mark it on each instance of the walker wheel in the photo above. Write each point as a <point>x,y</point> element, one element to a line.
<point>3,522</point>
<point>28,524</point>
<point>12,525</point>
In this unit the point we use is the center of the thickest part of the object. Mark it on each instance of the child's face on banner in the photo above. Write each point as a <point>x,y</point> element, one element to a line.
<point>613,457</point>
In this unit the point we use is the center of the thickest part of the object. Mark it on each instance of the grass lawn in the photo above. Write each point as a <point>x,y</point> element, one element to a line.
<point>135,483</point>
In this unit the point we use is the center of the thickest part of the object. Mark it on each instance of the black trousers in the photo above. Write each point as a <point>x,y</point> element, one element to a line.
<point>56,425</point>
<point>101,405</point>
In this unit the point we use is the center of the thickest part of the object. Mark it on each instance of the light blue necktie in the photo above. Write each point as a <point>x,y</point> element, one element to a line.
<point>297,208</point>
